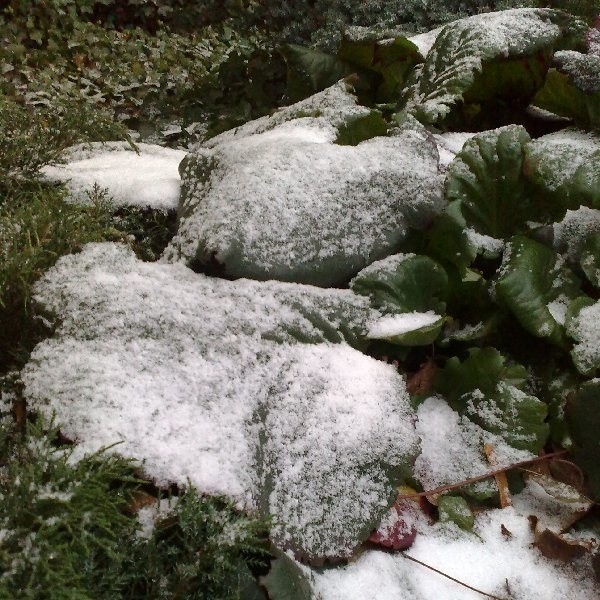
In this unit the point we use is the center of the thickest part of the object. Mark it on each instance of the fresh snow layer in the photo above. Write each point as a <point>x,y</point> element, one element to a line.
<point>204,380</point>
<point>424,41</point>
<point>507,566</point>
<point>149,179</point>
<point>449,145</point>
<point>452,449</point>
<point>288,203</point>
<point>571,233</point>
<point>392,325</point>
<point>585,329</point>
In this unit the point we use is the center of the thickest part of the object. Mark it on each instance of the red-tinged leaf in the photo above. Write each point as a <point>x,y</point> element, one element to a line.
<point>398,530</point>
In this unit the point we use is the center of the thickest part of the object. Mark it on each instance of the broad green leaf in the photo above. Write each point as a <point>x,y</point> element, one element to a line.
<point>583,418</point>
<point>456,510</point>
<point>486,390</point>
<point>490,61</point>
<point>536,286</point>
<point>590,259</point>
<point>486,178</point>
<point>447,239</point>
<point>565,168</point>
<point>407,329</point>
<point>482,371</point>
<point>583,325</point>
<point>404,283</point>
<point>361,128</point>
<point>562,96</point>
<point>513,415</point>
<point>392,58</point>
<point>287,580</point>
<point>311,71</point>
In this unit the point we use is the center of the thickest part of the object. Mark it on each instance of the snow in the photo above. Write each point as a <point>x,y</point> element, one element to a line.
<point>557,156</point>
<point>450,144</point>
<point>585,329</point>
<point>204,381</point>
<point>149,515</point>
<point>452,449</point>
<point>582,69</point>
<point>507,566</point>
<point>392,325</point>
<point>290,204</point>
<point>571,233</point>
<point>484,243</point>
<point>424,41</point>
<point>558,309</point>
<point>149,179</point>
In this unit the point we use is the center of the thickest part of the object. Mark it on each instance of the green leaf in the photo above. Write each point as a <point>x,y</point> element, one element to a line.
<point>489,62</point>
<point>393,329</point>
<point>583,418</point>
<point>583,325</point>
<point>513,415</point>
<point>361,128</point>
<point>447,239</point>
<point>404,283</point>
<point>562,97</point>
<point>486,389</point>
<point>287,580</point>
<point>393,59</point>
<point>536,286</point>
<point>565,168</point>
<point>310,71</point>
<point>482,370</point>
<point>486,178</point>
<point>456,510</point>
<point>590,259</point>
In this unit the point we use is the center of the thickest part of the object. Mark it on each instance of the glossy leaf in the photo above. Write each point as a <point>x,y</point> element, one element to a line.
<point>456,510</point>
<point>583,418</point>
<point>533,284</point>
<point>486,179</point>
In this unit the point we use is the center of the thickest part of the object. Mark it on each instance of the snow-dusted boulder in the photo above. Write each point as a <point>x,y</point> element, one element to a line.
<point>244,388</point>
<point>282,199</point>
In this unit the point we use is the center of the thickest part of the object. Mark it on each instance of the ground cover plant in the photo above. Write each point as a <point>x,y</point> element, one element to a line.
<point>433,404</point>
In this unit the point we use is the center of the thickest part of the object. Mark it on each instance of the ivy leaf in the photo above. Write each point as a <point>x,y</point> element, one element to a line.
<point>565,168</point>
<point>572,89</point>
<point>590,259</point>
<point>536,286</point>
<point>486,178</point>
<point>404,283</point>
<point>583,325</point>
<point>489,62</point>
<point>583,419</point>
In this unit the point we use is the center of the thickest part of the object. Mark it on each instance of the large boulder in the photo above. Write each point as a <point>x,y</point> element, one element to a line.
<point>288,198</point>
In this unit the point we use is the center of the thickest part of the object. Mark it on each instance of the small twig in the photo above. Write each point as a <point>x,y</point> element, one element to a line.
<point>501,479</point>
<point>454,486</point>
<point>466,585</point>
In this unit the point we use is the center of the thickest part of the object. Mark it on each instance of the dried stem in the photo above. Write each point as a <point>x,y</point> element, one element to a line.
<point>454,486</point>
<point>466,585</point>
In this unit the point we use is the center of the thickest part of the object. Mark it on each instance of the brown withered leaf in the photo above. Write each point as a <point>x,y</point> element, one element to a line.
<point>140,500</point>
<point>554,545</point>
<point>421,382</point>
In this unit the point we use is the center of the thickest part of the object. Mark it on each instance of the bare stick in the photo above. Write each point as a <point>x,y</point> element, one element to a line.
<point>460,484</point>
<point>450,577</point>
